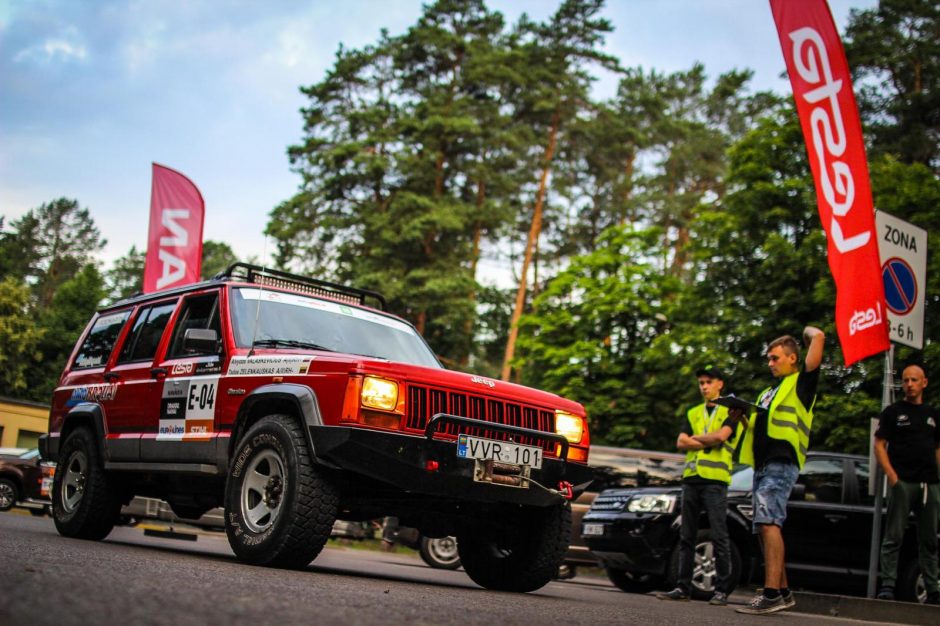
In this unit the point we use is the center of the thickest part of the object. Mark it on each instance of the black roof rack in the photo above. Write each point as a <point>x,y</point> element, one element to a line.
<point>314,286</point>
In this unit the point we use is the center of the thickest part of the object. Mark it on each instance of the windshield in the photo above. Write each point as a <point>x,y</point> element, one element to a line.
<point>287,320</point>
<point>614,470</point>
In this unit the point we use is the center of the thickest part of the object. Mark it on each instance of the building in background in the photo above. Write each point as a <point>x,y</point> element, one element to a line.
<point>21,422</point>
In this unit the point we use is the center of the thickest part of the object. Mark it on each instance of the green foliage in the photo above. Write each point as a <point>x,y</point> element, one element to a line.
<point>20,336</point>
<point>126,276</point>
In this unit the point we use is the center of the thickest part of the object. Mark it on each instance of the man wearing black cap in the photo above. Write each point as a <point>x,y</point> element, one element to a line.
<point>707,437</point>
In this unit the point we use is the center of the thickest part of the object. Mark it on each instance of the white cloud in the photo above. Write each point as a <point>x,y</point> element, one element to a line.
<point>64,48</point>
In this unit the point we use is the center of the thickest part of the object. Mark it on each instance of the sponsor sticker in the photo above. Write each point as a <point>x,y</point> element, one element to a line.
<point>92,393</point>
<point>187,408</point>
<point>269,365</point>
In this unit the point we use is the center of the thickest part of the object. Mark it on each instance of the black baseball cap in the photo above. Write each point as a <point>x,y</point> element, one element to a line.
<point>710,370</point>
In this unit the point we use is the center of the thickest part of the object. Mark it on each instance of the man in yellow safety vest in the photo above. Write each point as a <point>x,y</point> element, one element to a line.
<point>775,445</point>
<point>708,438</point>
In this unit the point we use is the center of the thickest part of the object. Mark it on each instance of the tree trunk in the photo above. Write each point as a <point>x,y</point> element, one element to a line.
<point>534,232</point>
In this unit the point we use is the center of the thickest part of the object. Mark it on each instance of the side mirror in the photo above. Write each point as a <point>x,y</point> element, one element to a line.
<point>201,340</point>
<point>798,492</point>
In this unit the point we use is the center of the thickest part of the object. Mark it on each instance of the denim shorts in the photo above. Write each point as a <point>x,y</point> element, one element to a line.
<point>772,486</point>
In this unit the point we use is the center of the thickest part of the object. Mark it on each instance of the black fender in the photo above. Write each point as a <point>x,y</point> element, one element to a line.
<point>301,397</point>
<point>83,413</point>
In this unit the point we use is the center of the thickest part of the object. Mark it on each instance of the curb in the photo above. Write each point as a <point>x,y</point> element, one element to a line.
<point>865,609</point>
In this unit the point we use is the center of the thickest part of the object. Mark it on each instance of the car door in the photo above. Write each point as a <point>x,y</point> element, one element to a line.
<point>816,531</point>
<point>182,428</point>
<point>137,400</point>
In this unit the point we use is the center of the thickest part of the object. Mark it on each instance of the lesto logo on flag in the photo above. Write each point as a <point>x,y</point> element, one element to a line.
<point>174,244</point>
<point>822,89</point>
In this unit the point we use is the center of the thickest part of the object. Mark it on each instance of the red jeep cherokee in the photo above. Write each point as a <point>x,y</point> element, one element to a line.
<point>291,403</point>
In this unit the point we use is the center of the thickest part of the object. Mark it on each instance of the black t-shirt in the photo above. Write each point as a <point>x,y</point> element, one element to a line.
<point>912,435</point>
<point>687,429</point>
<point>766,448</point>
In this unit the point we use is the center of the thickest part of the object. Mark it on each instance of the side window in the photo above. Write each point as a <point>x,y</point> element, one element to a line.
<point>142,342</point>
<point>823,480</point>
<point>100,341</point>
<point>197,312</point>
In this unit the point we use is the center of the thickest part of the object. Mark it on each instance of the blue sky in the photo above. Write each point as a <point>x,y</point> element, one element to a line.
<point>92,92</point>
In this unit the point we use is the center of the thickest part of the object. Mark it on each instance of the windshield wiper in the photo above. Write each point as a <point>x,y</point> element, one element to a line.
<point>289,343</point>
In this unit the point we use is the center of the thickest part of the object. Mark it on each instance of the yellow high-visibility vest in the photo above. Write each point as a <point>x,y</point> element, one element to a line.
<point>788,421</point>
<point>711,463</point>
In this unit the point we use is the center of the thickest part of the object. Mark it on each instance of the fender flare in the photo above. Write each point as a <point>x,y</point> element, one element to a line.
<point>302,397</point>
<point>89,412</point>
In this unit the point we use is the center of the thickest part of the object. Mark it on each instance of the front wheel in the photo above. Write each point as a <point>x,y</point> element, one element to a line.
<point>440,552</point>
<point>521,555</point>
<point>7,494</point>
<point>705,566</point>
<point>910,586</point>
<point>279,507</point>
<point>84,500</point>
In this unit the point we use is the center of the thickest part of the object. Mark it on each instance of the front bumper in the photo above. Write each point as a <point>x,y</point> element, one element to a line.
<point>640,544</point>
<point>401,460</point>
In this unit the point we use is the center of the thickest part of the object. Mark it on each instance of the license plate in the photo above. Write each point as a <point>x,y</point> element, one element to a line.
<point>46,488</point>
<point>592,530</point>
<point>488,450</point>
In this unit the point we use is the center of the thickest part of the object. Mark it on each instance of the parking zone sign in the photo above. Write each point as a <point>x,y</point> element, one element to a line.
<point>903,250</point>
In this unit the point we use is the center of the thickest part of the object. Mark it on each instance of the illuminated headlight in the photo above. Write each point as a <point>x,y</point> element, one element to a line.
<point>653,503</point>
<point>570,426</point>
<point>379,393</point>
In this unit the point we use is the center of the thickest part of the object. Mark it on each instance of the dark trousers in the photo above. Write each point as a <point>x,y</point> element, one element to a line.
<point>713,498</point>
<point>902,498</point>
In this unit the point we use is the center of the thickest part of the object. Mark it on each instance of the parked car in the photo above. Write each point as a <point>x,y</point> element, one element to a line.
<point>292,402</point>
<point>615,468</point>
<point>437,552</point>
<point>21,480</point>
<point>635,533</point>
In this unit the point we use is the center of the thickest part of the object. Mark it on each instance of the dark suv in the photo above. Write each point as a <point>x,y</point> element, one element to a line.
<point>635,533</point>
<point>291,403</point>
<point>21,481</point>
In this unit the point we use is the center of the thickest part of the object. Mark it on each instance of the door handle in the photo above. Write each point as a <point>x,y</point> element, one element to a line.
<point>109,376</point>
<point>157,372</point>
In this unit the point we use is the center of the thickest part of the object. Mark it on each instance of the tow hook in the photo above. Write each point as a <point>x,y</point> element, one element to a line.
<point>566,490</point>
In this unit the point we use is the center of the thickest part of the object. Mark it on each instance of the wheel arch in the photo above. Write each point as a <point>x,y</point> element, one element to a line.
<point>86,415</point>
<point>297,401</point>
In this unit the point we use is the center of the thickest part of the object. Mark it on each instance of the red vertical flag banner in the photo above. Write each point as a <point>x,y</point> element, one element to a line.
<point>174,245</point>
<point>822,88</point>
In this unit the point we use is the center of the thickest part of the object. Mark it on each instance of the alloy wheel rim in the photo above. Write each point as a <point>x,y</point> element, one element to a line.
<point>444,549</point>
<point>705,571</point>
<point>6,495</point>
<point>73,484</point>
<point>262,493</point>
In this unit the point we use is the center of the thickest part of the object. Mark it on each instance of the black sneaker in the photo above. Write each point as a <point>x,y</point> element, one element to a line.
<point>761,605</point>
<point>719,599</point>
<point>676,594</point>
<point>788,600</point>
<point>886,593</point>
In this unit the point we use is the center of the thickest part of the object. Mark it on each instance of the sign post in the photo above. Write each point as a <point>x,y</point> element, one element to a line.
<point>903,251</point>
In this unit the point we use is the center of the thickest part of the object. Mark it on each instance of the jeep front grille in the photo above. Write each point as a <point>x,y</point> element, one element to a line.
<point>423,402</point>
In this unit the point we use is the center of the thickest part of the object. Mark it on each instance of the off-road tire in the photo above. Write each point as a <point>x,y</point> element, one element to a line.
<point>84,499</point>
<point>631,582</point>
<point>439,552</point>
<point>8,494</point>
<point>704,566</point>
<point>273,461</point>
<point>523,554</point>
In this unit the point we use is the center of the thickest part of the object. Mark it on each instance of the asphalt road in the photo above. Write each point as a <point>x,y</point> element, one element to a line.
<point>131,579</point>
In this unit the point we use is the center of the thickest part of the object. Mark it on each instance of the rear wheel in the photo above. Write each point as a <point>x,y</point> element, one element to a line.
<point>279,508</point>
<point>440,552</point>
<point>84,500</point>
<point>632,582</point>
<point>523,555</point>
<point>7,494</point>
<point>910,586</point>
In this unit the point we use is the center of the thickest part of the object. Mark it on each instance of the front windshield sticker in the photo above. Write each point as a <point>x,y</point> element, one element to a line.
<point>269,365</point>
<point>187,408</point>
<point>325,305</point>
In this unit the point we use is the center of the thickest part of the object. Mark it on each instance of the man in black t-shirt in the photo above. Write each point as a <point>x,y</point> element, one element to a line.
<point>907,446</point>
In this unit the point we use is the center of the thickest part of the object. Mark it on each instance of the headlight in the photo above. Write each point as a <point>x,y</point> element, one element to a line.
<point>571,426</point>
<point>379,393</point>
<point>652,503</point>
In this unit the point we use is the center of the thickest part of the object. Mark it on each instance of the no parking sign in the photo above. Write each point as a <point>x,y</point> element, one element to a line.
<point>903,250</point>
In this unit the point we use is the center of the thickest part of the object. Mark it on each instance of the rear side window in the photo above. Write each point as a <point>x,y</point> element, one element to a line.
<point>100,341</point>
<point>142,342</point>
<point>198,312</point>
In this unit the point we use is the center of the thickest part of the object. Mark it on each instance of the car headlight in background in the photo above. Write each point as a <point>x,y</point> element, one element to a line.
<point>379,393</point>
<point>652,503</point>
<point>570,426</point>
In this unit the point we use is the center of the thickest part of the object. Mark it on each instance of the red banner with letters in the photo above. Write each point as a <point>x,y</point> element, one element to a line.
<point>822,89</point>
<point>174,245</point>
